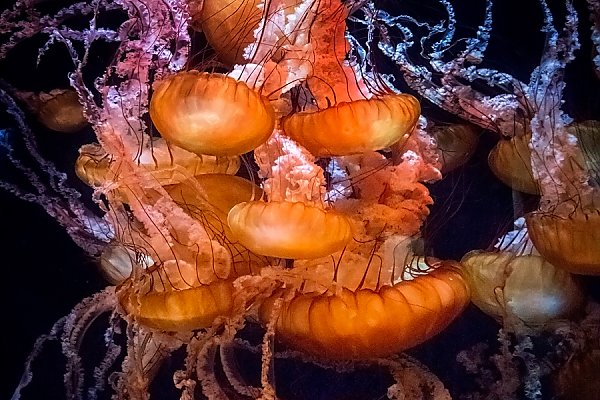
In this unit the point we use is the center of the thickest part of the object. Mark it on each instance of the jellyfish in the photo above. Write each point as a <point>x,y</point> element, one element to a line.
<point>456,144</point>
<point>188,110</point>
<point>365,323</point>
<point>355,127</point>
<point>58,110</point>
<point>167,164</point>
<point>521,289</point>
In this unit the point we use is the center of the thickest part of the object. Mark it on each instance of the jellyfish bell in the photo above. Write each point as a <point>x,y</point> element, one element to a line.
<point>186,292</point>
<point>228,25</point>
<point>211,114</point>
<point>179,310</point>
<point>221,191</point>
<point>569,241</point>
<point>289,229</point>
<point>355,127</point>
<point>366,323</point>
<point>456,144</point>
<point>510,161</point>
<point>525,289</point>
<point>167,164</point>
<point>58,110</point>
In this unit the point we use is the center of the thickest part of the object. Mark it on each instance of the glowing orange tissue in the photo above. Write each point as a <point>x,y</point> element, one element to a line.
<point>180,310</point>
<point>367,323</point>
<point>228,25</point>
<point>355,127</point>
<point>211,114</point>
<point>289,230</point>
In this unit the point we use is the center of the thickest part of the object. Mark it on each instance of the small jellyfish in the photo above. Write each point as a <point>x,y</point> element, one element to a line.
<point>510,161</point>
<point>117,262</point>
<point>456,144</point>
<point>58,110</point>
<point>571,242</point>
<point>167,164</point>
<point>211,114</point>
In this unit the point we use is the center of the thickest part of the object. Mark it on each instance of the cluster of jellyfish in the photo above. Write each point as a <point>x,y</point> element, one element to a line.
<point>282,183</point>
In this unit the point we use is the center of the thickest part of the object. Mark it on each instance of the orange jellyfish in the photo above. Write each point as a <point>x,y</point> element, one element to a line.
<point>510,161</point>
<point>456,144</point>
<point>523,289</point>
<point>228,25</point>
<point>195,288</point>
<point>355,127</point>
<point>568,241</point>
<point>566,227</point>
<point>211,114</point>
<point>58,109</point>
<point>367,323</point>
<point>289,229</point>
<point>166,164</point>
<point>179,310</point>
